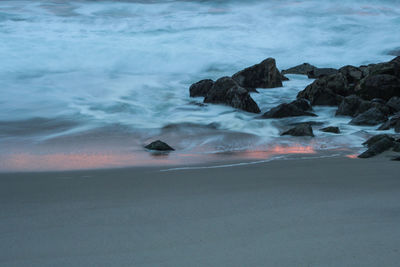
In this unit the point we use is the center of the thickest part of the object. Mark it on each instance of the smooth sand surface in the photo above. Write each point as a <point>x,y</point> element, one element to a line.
<point>315,212</point>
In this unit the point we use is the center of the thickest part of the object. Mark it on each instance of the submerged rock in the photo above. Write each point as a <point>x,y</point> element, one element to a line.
<point>303,69</point>
<point>227,91</point>
<point>262,75</point>
<point>201,88</point>
<point>377,144</point>
<point>299,107</point>
<point>159,146</point>
<point>372,116</point>
<point>331,129</point>
<point>303,129</point>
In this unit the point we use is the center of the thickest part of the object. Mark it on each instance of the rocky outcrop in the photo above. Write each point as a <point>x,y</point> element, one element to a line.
<point>331,129</point>
<point>303,129</point>
<point>201,88</point>
<point>383,86</point>
<point>328,90</point>
<point>372,116</point>
<point>394,122</point>
<point>353,105</point>
<point>227,91</point>
<point>299,107</point>
<point>303,69</point>
<point>377,145</point>
<point>262,75</point>
<point>321,72</point>
<point>159,146</point>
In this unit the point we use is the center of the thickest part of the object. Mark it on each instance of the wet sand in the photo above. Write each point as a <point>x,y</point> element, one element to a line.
<point>315,212</point>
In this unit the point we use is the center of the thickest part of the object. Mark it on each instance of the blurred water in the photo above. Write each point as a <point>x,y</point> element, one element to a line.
<point>92,64</point>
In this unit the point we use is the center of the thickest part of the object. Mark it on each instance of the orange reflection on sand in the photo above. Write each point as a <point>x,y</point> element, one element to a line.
<point>280,150</point>
<point>352,156</point>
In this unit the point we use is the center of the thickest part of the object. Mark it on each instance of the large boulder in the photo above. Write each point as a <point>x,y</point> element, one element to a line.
<point>299,107</point>
<point>227,91</point>
<point>353,75</point>
<point>383,86</point>
<point>159,146</point>
<point>321,72</point>
<point>394,104</point>
<point>377,145</point>
<point>201,88</point>
<point>372,116</point>
<point>262,75</point>
<point>327,91</point>
<point>303,69</point>
<point>303,129</point>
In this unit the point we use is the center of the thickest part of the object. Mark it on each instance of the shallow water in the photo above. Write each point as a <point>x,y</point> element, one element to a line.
<point>120,70</point>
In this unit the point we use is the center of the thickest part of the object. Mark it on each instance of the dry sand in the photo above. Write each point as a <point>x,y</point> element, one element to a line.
<point>316,212</point>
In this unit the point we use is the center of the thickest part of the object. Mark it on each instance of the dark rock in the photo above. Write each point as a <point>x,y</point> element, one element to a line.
<point>352,74</point>
<point>331,129</point>
<point>396,147</point>
<point>201,88</point>
<point>371,141</point>
<point>372,116</point>
<point>377,145</point>
<point>353,105</point>
<point>328,90</point>
<point>227,91</point>
<point>396,158</point>
<point>159,146</point>
<point>394,122</point>
<point>394,103</point>
<point>303,69</point>
<point>303,129</point>
<point>296,108</point>
<point>321,72</point>
<point>284,78</point>
<point>262,75</point>
<point>383,86</point>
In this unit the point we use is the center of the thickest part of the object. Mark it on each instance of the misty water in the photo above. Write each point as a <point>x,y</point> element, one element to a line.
<point>90,75</point>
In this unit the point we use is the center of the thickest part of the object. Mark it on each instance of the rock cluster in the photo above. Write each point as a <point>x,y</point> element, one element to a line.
<point>379,144</point>
<point>234,91</point>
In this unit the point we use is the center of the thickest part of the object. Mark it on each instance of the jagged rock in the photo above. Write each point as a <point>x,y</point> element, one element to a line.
<point>353,74</point>
<point>321,72</point>
<point>159,146</point>
<point>303,69</point>
<point>331,129</point>
<point>262,75</point>
<point>227,91</point>
<point>372,116</point>
<point>201,88</point>
<point>394,122</point>
<point>353,105</point>
<point>328,90</point>
<point>383,86</point>
<point>377,145</point>
<point>303,129</point>
<point>299,107</point>
<point>394,103</point>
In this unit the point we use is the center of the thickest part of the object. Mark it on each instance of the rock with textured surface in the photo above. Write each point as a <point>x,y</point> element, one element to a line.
<point>227,91</point>
<point>299,107</point>
<point>331,129</point>
<point>372,116</point>
<point>302,69</point>
<point>201,88</point>
<point>321,72</point>
<point>303,129</point>
<point>376,145</point>
<point>262,75</point>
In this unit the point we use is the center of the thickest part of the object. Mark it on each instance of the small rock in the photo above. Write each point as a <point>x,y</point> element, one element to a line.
<point>394,122</point>
<point>159,146</point>
<point>303,129</point>
<point>331,129</point>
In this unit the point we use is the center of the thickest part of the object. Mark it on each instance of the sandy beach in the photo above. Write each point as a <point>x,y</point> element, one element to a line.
<point>310,212</point>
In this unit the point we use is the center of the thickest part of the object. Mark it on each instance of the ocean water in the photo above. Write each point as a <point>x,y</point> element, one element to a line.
<point>97,76</point>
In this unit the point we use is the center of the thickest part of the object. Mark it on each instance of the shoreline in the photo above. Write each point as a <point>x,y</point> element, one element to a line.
<point>321,212</point>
